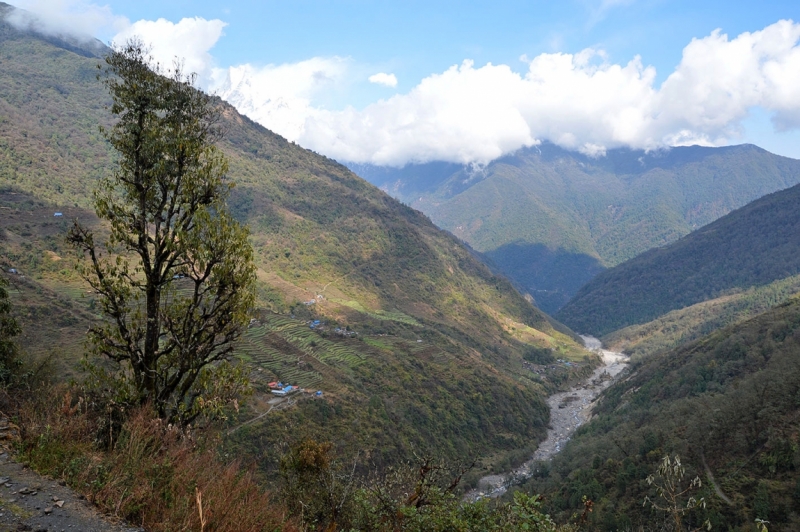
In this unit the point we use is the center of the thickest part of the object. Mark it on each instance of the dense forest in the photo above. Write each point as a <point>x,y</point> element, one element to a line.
<point>752,246</point>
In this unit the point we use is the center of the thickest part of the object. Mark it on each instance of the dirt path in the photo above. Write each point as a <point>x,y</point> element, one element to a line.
<point>29,501</point>
<point>568,411</point>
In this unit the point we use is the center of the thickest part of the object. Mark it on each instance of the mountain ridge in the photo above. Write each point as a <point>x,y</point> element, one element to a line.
<point>544,211</point>
<point>752,246</point>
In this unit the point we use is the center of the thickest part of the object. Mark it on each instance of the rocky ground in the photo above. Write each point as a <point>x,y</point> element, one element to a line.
<point>568,411</point>
<point>29,501</point>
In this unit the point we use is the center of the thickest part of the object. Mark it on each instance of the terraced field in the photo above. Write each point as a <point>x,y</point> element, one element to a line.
<point>293,353</point>
<point>396,315</point>
<point>77,292</point>
<point>400,345</point>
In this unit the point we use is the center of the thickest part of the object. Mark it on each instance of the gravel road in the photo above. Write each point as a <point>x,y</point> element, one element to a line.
<point>29,501</point>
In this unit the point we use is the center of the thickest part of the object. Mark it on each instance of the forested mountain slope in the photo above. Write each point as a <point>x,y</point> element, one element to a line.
<point>752,246</point>
<point>682,326</point>
<point>727,404</point>
<point>551,219</point>
<point>418,346</point>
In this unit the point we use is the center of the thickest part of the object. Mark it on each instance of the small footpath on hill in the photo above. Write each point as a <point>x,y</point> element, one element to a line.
<point>568,411</point>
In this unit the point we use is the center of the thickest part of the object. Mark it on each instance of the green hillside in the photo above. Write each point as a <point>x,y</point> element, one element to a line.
<point>551,219</point>
<point>727,404</point>
<point>420,346</point>
<point>752,246</point>
<point>687,324</point>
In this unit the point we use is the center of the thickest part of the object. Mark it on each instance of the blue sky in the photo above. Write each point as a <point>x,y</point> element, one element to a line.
<point>338,45</point>
<point>421,37</point>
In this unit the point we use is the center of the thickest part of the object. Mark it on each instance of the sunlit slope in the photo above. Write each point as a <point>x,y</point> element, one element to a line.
<point>410,384</point>
<point>437,358</point>
<point>752,246</point>
<point>326,231</point>
<point>551,219</point>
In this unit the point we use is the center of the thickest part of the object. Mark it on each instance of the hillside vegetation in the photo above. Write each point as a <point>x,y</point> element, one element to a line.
<point>419,346</point>
<point>752,246</point>
<point>727,404</point>
<point>682,326</point>
<point>551,219</point>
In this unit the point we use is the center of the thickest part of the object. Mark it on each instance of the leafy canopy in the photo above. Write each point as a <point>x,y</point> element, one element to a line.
<point>175,275</point>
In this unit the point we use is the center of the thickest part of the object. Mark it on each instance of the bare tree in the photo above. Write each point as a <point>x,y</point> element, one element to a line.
<point>674,496</point>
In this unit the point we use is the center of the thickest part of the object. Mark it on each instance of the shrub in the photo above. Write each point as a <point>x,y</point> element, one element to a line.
<point>155,474</point>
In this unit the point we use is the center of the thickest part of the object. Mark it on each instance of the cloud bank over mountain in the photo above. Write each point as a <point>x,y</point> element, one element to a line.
<point>471,114</point>
<point>579,101</point>
<point>475,113</point>
<point>189,40</point>
<point>75,18</point>
<point>280,96</point>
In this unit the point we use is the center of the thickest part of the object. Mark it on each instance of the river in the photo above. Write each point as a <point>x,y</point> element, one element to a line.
<point>568,411</point>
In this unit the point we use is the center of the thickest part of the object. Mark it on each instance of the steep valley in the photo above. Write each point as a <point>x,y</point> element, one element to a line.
<point>411,348</point>
<point>416,345</point>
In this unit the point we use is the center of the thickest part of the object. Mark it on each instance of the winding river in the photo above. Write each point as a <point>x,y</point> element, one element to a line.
<point>568,411</point>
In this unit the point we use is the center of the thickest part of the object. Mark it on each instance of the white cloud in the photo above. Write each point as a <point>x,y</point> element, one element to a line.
<point>189,41</point>
<point>75,18</point>
<point>579,101</point>
<point>472,114</point>
<point>382,78</point>
<point>279,96</point>
<point>719,79</point>
<point>464,114</point>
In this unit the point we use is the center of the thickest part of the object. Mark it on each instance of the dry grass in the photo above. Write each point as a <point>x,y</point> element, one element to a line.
<point>155,475</point>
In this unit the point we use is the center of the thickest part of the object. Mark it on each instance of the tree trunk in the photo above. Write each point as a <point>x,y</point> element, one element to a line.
<point>151,341</point>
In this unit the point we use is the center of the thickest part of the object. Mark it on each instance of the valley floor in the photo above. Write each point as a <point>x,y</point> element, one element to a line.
<point>568,411</point>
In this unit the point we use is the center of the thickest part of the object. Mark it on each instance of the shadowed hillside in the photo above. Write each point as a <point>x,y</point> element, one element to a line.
<point>752,246</point>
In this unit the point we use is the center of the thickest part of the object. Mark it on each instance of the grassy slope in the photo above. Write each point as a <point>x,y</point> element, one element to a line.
<point>752,246</point>
<point>544,209</point>
<point>438,360</point>
<point>730,397</point>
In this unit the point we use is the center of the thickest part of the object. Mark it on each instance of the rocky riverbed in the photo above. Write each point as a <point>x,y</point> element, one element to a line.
<point>568,411</point>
